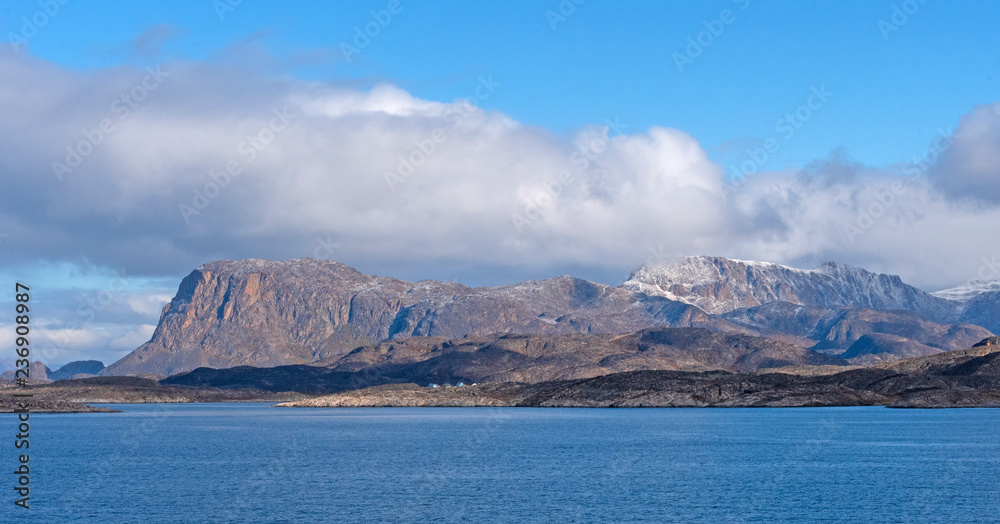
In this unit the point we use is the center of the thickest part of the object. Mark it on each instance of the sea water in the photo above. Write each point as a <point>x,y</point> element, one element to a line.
<point>257,463</point>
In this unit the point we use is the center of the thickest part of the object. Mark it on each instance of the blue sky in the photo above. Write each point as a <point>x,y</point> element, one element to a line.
<point>787,134</point>
<point>605,59</point>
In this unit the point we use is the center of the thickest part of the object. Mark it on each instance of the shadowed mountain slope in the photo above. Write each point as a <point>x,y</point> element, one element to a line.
<point>516,358</point>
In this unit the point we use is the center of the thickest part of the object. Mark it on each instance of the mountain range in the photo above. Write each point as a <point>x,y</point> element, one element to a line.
<point>275,313</point>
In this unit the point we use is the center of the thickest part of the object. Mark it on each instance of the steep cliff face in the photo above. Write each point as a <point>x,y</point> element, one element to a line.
<point>719,285</point>
<point>266,313</point>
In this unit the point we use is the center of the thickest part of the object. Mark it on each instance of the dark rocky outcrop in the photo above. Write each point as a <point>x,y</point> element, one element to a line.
<point>990,341</point>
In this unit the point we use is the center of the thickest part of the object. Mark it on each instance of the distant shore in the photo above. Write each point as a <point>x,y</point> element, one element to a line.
<point>964,378</point>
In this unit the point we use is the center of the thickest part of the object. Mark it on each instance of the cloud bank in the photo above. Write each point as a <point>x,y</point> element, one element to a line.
<point>160,169</point>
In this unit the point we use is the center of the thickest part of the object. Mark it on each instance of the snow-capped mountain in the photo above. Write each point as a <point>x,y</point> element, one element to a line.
<point>967,292</point>
<point>719,285</point>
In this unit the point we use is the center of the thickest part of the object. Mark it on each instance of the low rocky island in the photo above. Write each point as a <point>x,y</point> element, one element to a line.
<point>965,378</point>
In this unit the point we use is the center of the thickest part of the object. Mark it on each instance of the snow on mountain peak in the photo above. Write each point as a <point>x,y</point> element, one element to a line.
<point>968,291</point>
<point>718,285</point>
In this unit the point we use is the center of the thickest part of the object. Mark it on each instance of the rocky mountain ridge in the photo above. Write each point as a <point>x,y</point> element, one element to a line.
<point>720,285</point>
<point>265,313</point>
<point>270,313</point>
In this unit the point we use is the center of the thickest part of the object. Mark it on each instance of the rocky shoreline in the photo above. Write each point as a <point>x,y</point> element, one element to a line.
<point>642,390</point>
<point>9,404</point>
<point>75,396</point>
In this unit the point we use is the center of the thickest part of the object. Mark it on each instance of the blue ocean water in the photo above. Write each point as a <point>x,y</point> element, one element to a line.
<point>256,463</point>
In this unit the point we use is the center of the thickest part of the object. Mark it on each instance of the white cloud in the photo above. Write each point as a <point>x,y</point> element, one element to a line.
<point>132,338</point>
<point>150,305</point>
<point>383,98</point>
<point>104,321</point>
<point>327,172</point>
